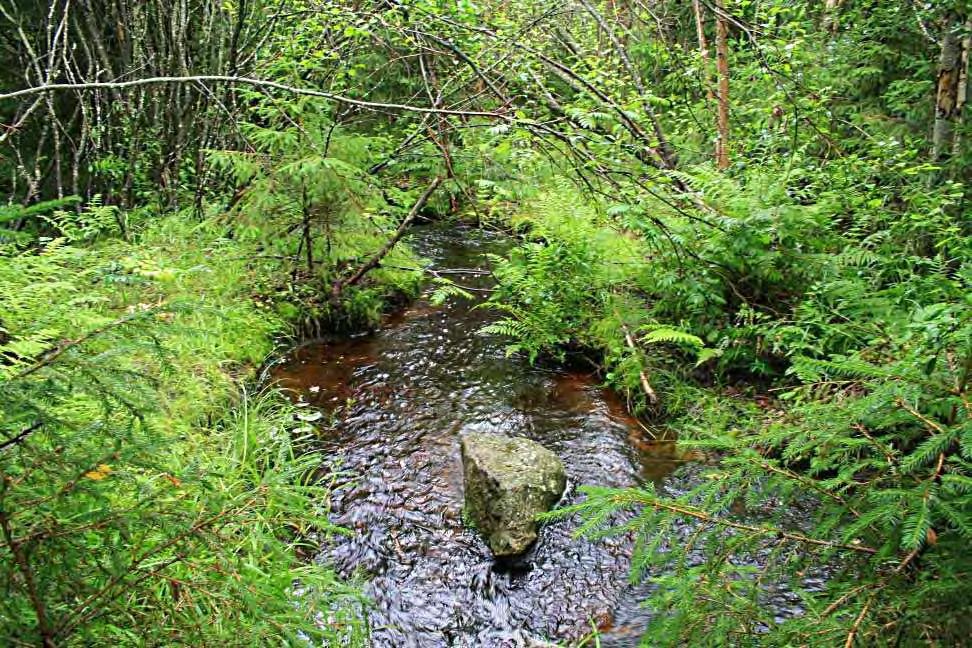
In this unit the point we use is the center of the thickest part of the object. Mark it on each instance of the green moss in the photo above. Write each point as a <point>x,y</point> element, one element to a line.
<point>467,519</point>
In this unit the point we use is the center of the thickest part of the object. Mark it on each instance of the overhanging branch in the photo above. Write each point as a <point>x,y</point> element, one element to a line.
<point>240,80</point>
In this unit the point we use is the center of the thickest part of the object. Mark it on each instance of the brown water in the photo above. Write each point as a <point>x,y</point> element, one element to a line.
<point>395,403</point>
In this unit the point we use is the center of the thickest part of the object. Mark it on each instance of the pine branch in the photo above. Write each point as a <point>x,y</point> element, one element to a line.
<point>766,531</point>
<point>806,481</point>
<point>79,614</point>
<point>870,599</point>
<point>53,354</point>
<point>932,426</point>
<point>27,573</point>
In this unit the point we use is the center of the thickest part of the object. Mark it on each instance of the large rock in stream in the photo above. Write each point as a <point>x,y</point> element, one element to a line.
<point>508,482</point>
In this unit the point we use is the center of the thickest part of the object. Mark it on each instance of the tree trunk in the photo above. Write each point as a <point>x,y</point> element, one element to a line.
<point>947,93</point>
<point>830,22</point>
<point>703,47</point>
<point>722,63</point>
<point>963,87</point>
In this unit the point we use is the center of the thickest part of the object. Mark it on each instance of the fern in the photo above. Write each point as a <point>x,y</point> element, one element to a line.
<point>19,224</point>
<point>656,335</point>
<point>446,289</point>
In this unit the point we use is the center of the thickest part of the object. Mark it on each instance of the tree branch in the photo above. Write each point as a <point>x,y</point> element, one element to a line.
<point>53,354</point>
<point>260,83</point>
<point>374,261</point>
<point>23,434</point>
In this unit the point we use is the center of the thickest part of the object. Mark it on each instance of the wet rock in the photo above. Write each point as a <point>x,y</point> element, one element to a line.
<point>508,482</point>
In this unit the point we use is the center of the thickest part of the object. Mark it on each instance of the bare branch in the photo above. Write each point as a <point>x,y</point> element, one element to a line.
<point>260,83</point>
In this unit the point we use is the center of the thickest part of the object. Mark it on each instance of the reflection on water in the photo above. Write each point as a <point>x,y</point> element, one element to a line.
<point>399,400</point>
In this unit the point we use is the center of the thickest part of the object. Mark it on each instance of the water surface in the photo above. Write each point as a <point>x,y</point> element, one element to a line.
<point>396,402</point>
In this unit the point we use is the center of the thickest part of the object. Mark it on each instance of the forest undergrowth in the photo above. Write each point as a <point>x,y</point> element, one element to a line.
<point>165,494</point>
<point>751,217</point>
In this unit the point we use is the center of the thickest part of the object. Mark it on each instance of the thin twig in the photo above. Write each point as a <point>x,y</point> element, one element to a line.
<point>642,376</point>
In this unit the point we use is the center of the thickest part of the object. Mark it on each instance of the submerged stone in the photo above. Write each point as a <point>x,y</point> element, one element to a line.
<point>508,482</point>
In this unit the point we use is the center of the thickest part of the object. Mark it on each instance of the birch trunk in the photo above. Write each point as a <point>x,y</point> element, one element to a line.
<point>703,47</point>
<point>963,88</point>
<point>947,92</point>
<point>722,63</point>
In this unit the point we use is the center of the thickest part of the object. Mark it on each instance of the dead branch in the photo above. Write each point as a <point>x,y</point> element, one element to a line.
<point>338,287</point>
<point>642,376</point>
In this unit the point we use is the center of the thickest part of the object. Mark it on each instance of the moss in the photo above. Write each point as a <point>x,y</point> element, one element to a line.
<point>467,519</point>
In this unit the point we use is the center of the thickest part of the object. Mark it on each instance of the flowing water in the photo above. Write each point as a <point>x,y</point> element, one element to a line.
<point>395,403</point>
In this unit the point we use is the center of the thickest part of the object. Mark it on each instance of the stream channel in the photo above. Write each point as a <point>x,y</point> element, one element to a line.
<point>395,402</point>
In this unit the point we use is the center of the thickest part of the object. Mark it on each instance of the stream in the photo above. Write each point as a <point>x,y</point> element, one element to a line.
<point>394,404</point>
